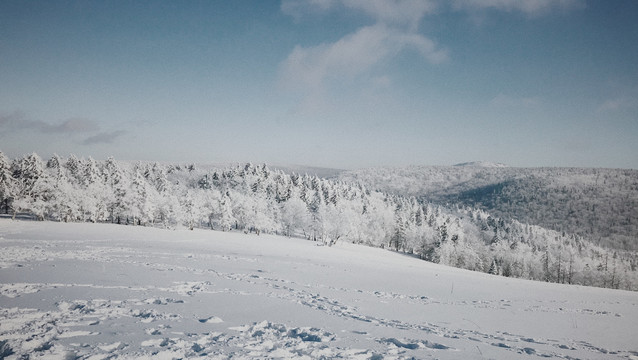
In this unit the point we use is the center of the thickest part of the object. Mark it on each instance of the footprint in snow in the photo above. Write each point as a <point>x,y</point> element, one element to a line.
<point>211,320</point>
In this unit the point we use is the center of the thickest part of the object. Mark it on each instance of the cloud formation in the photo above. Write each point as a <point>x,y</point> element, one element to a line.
<point>311,69</point>
<point>528,7</point>
<point>394,12</point>
<point>413,11</point>
<point>17,121</point>
<point>357,53</point>
<point>397,12</point>
<point>75,125</point>
<point>104,137</point>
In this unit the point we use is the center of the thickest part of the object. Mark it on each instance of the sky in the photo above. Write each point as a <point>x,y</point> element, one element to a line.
<point>329,83</point>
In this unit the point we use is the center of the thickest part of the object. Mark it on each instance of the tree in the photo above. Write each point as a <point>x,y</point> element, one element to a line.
<point>73,167</point>
<point>398,238</point>
<point>424,238</point>
<point>8,186</point>
<point>94,195</point>
<point>339,222</point>
<point>317,208</point>
<point>226,218</point>
<point>190,205</point>
<point>419,216</point>
<point>33,188</point>
<point>90,173</point>
<point>210,206</point>
<point>63,204</point>
<point>259,217</point>
<point>545,259</point>
<point>295,216</point>
<point>117,185</point>
<point>138,199</point>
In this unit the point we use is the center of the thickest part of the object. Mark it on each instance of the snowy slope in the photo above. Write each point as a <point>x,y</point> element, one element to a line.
<point>94,291</point>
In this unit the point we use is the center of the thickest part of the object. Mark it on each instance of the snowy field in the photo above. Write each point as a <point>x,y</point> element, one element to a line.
<point>97,291</point>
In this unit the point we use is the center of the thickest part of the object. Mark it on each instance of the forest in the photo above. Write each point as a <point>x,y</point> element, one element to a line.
<point>255,199</point>
<point>598,204</point>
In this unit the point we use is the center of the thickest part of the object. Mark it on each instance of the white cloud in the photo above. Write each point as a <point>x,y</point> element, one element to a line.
<point>398,12</point>
<point>315,71</point>
<point>528,7</point>
<point>355,54</point>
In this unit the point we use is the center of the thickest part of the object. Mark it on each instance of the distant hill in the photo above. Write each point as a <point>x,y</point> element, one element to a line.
<point>600,204</point>
<point>321,172</point>
<point>481,164</point>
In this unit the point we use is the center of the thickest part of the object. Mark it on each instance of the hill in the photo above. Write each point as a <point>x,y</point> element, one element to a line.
<point>97,291</point>
<point>255,199</point>
<point>599,204</point>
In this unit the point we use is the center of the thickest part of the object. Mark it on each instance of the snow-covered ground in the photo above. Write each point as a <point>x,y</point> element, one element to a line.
<point>98,291</point>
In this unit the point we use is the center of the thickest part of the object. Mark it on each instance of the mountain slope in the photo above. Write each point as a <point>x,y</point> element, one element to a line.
<point>83,290</point>
<point>600,204</point>
<point>255,199</point>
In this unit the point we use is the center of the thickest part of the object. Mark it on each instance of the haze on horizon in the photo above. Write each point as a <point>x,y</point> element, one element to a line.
<point>329,83</point>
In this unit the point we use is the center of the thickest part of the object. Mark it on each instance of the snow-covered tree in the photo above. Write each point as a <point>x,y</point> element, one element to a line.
<point>8,185</point>
<point>33,189</point>
<point>295,216</point>
<point>256,199</point>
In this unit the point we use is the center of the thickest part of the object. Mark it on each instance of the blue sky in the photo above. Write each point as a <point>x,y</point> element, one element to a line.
<point>333,83</point>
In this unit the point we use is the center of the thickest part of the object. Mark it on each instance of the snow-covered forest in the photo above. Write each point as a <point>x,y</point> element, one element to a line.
<point>599,204</point>
<point>254,199</point>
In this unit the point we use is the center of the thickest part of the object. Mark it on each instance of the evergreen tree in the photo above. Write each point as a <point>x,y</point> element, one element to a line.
<point>8,185</point>
<point>398,238</point>
<point>33,189</point>
<point>226,214</point>
<point>73,166</point>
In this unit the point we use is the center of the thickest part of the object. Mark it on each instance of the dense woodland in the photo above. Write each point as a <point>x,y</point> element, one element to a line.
<point>255,199</point>
<point>598,204</point>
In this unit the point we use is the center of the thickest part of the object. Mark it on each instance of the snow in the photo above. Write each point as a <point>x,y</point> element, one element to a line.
<point>98,291</point>
<point>485,164</point>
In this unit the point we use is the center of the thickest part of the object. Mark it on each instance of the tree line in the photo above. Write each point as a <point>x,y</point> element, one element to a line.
<point>255,199</point>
